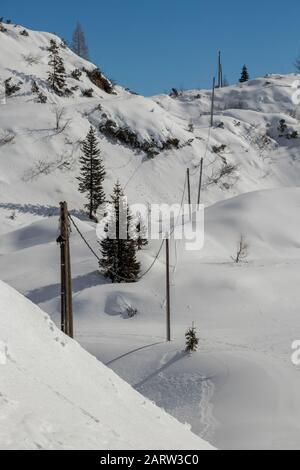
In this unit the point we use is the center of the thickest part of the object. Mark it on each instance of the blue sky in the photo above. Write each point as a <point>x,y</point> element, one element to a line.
<point>151,46</point>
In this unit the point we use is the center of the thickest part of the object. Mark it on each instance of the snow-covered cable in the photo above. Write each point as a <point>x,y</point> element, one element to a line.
<point>83,238</point>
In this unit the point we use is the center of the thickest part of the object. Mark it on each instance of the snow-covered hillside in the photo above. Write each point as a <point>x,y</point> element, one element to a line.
<point>39,163</point>
<point>54,395</point>
<point>240,390</point>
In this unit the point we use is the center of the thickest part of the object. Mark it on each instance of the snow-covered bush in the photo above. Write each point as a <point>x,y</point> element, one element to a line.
<point>24,33</point>
<point>13,215</point>
<point>284,131</point>
<point>76,74</point>
<point>42,98</point>
<point>10,88</point>
<point>98,79</point>
<point>31,59</point>
<point>128,137</point>
<point>219,149</point>
<point>131,311</point>
<point>87,92</point>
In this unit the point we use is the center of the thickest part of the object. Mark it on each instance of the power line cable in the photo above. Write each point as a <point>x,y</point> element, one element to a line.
<point>156,256</point>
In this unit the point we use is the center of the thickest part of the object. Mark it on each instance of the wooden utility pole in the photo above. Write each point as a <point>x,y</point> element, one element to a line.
<point>189,192</point>
<point>65,269</point>
<point>222,80</point>
<point>220,71</point>
<point>200,183</point>
<point>212,103</point>
<point>168,295</point>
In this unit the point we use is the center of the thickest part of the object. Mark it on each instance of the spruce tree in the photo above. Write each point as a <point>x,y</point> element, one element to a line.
<point>141,240</point>
<point>191,340</point>
<point>119,247</point>
<point>244,75</point>
<point>79,45</point>
<point>92,173</point>
<point>57,74</point>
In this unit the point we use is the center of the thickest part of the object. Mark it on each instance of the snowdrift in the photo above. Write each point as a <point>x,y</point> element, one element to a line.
<point>54,395</point>
<point>240,390</point>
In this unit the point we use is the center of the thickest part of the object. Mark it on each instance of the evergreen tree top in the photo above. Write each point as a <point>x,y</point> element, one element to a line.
<point>53,47</point>
<point>90,145</point>
<point>244,75</point>
<point>118,190</point>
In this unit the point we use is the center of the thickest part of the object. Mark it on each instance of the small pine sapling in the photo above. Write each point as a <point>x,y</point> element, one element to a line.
<point>192,341</point>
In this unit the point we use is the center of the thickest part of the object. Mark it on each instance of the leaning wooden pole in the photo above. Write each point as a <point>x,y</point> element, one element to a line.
<point>69,290</point>
<point>60,240</point>
<point>212,103</point>
<point>65,269</point>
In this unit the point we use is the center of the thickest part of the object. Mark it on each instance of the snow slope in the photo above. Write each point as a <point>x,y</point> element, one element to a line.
<point>54,395</point>
<point>241,390</point>
<point>246,122</point>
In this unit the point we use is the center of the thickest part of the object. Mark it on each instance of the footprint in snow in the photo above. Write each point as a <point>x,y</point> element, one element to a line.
<point>3,353</point>
<point>62,343</point>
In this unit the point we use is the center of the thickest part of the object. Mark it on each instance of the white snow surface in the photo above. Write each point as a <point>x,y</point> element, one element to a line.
<point>54,395</point>
<point>241,390</point>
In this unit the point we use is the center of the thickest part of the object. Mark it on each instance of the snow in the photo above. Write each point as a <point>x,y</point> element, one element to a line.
<point>54,395</point>
<point>240,391</point>
<point>157,118</point>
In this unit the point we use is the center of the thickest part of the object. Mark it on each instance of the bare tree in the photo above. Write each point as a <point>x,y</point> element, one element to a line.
<point>79,45</point>
<point>242,250</point>
<point>61,123</point>
<point>31,59</point>
<point>224,176</point>
<point>62,163</point>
